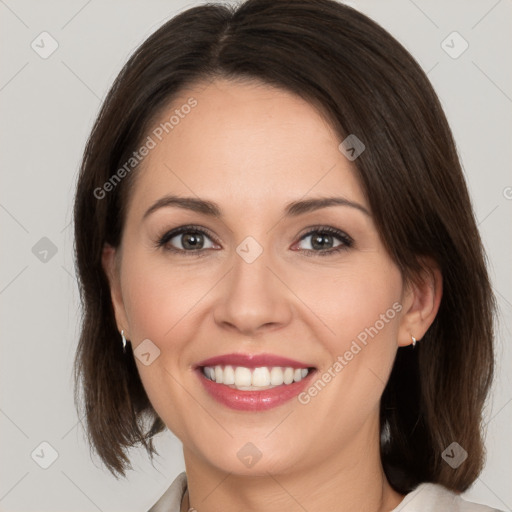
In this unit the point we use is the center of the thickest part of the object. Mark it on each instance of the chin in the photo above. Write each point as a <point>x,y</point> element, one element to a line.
<point>245,457</point>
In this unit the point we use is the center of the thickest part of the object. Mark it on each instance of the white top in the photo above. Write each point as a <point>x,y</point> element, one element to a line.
<point>427,497</point>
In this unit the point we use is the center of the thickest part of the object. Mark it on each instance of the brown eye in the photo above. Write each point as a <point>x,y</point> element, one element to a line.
<point>325,241</point>
<point>186,239</point>
<point>190,240</point>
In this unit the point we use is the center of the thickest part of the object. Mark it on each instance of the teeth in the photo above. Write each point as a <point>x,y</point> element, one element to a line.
<point>254,378</point>
<point>288,375</point>
<point>242,376</point>
<point>276,376</point>
<point>229,375</point>
<point>260,377</point>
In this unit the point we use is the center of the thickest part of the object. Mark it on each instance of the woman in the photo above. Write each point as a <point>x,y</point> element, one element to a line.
<point>279,263</point>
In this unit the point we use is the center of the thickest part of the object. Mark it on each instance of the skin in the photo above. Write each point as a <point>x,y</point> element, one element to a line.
<point>252,149</point>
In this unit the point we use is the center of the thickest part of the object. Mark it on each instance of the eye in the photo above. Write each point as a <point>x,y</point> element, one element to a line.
<point>186,239</point>
<point>194,241</point>
<point>323,241</point>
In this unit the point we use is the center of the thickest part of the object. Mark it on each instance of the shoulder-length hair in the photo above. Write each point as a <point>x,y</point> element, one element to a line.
<point>367,84</point>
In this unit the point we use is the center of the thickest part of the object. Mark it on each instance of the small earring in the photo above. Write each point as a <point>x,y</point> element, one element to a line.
<point>123,340</point>
<point>413,341</point>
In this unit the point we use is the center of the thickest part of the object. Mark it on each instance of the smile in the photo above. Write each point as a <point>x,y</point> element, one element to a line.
<point>253,382</point>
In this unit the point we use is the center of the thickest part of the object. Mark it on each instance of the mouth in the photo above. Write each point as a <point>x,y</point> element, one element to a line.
<point>253,382</point>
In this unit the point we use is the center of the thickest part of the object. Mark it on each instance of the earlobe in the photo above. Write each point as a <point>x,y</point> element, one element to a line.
<point>423,298</point>
<point>110,266</point>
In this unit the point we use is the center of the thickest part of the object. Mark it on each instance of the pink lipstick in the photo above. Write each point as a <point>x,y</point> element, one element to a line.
<point>253,382</point>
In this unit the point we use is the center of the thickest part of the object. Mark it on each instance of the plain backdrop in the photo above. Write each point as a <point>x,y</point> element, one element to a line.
<point>48,106</point>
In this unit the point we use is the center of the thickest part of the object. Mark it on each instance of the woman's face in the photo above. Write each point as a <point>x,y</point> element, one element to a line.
<point>258,282</point>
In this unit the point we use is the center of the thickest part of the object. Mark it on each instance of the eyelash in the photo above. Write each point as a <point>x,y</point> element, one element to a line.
<point>346,240</point>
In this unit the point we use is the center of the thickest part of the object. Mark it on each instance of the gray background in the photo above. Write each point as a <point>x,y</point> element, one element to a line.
<point>47,110</point>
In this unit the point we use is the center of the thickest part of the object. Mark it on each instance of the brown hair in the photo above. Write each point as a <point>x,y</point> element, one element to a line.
<point>367,84</point>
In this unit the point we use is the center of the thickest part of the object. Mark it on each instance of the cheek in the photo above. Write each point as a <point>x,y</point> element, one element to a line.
<point>362,311</point>
<point>159,303</point>
<point>370,324</point>
<point>361,308</point>
<point>157,297</point>
<point>353,298</point>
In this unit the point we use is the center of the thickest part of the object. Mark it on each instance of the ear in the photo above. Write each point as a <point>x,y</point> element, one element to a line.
<point>110,263</point>
<point>421,303</point>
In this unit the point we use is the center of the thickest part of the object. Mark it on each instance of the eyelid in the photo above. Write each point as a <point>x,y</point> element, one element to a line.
<point>325,228</point>
<point>171,233</point>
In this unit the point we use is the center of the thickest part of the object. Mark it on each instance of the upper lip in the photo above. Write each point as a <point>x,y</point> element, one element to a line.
<point>252,361</point>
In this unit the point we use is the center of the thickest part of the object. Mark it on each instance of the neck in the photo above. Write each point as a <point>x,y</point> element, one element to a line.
<point>350,479</point>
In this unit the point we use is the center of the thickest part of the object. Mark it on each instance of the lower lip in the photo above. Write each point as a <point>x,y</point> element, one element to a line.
<point>254,400</point>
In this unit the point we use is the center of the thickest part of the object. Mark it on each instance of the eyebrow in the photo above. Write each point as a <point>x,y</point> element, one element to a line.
<point>212,209</point>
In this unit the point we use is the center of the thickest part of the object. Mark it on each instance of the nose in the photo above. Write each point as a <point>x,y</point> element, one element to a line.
<point>253,297</point>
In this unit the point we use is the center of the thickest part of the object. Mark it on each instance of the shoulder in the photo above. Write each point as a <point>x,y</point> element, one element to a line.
<point>170,501</point>
<point>429,497</point>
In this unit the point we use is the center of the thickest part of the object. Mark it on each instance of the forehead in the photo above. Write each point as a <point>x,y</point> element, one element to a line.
<point>243,145</point>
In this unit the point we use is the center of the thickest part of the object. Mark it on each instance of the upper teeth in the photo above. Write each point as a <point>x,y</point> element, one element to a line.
<point>254,378</point>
